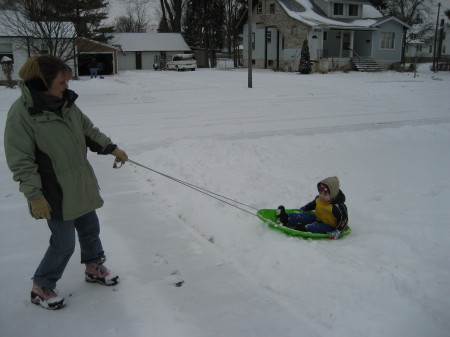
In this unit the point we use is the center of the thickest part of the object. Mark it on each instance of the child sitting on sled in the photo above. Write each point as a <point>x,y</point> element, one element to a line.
<point>330,213</point>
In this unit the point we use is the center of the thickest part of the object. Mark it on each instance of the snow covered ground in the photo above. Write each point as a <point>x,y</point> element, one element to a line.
<point>192,266</point>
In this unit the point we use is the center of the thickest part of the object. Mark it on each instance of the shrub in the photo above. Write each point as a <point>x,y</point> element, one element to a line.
<point>305,66</point>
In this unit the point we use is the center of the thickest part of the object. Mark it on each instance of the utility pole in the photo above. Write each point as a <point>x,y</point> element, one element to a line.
<point>435,39</point>
<point>249,56</point>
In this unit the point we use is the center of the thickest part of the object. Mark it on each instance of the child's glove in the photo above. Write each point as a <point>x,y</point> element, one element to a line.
<point>334,235</point>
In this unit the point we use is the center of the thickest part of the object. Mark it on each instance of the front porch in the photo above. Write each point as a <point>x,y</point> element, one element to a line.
<point>340,44</point>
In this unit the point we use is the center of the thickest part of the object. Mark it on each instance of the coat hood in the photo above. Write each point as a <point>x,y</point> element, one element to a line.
<point>333,185</point>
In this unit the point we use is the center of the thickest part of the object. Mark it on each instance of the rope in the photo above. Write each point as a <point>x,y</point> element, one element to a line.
<point>197,188</point>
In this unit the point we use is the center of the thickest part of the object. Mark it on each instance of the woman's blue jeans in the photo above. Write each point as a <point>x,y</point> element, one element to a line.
<point>309,220</point>
<point>62,246</point>
<point>93,72</point>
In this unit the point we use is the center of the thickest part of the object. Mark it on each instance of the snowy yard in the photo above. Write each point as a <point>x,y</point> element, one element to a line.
<point>190,265</point>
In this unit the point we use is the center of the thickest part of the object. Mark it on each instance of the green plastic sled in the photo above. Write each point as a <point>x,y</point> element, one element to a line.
<point>269,216</point>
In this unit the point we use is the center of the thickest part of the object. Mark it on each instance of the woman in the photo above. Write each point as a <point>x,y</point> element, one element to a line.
<point>46,141</point>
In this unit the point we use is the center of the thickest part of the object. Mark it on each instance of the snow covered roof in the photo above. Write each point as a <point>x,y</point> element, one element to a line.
<point>13,24</point>
<point>150,42</point>
<point>308,12</point>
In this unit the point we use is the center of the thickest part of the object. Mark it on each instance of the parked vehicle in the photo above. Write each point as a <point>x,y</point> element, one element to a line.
<point>182,62</point>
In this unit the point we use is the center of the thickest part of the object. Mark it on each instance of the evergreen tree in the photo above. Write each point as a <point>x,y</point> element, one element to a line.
<point>87,17</point>
<point>191,30</point>
<point>47,21</point>
<point>305,66</point>
<point>203,25</point>
<point>171,16</point>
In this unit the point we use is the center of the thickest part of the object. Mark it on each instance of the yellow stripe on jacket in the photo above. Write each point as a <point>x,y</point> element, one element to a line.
<point>324,213</point>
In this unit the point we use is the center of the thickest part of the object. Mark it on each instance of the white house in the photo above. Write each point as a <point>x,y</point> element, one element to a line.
<point>138,50</point>
<point>31,42</point>
<point>420,51</point>
<point>337,32</point>
<point>444,32</point>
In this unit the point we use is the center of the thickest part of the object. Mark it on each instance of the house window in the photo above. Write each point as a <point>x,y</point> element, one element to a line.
<point>387,40</point>
<point>259,7</point>
<point>338,9</point>
<point>269,37</point>
<point>352,10</point>
<point>325,36</point>
<point>272,8</point>
<point>6,50</point>
<point>253,41</point>
<point>431,49</point>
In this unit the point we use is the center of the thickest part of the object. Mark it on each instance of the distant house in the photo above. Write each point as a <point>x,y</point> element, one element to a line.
<point>419,51</point>
<point>337,32</point>
<point>138,50</point>
<point>424,51</point>
<point>30,42</point>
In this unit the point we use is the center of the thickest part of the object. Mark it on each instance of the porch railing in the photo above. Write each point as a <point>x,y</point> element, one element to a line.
<point>359,57</point>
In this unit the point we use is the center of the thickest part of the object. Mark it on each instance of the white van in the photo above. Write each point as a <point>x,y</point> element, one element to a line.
<point>182,62</point>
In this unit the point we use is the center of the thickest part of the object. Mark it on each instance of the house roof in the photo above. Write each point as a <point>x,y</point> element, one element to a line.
<point>91,46</point>
<point>13,24</point>
<point>150,42</point>
<point>309,13</point>
<point>391,18</point>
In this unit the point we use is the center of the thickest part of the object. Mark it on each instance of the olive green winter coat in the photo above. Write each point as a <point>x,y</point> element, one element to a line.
<point>46,149</point>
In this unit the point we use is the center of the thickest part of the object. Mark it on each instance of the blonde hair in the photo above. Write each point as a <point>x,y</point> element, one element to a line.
<point>44,68</point>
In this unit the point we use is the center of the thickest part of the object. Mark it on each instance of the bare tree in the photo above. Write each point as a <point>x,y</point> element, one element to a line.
<point>28,21</point>
<point>234,10</point>
<point>415,13</point>
<point>172,11</point>
<point>136,18</point>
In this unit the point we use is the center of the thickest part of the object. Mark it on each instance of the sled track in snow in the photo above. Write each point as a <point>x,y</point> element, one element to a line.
<point>336,128</point>
<point>146,146</point>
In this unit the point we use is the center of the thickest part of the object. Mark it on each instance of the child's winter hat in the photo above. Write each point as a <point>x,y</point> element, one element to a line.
<point>331,185</point>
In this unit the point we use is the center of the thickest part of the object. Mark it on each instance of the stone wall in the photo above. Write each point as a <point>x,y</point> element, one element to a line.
<point>293,31</point>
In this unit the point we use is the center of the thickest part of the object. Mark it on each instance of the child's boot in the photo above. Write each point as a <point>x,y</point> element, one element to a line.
<point>98,273</point>
<point>282,215</point>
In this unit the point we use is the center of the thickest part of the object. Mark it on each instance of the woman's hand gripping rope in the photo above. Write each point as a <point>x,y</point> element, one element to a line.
<point>121,156</point>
